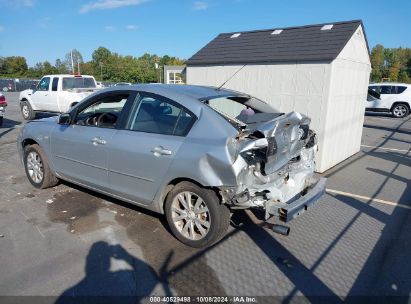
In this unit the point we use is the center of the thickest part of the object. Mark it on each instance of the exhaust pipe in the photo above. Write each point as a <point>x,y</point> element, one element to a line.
<point>284,230</point>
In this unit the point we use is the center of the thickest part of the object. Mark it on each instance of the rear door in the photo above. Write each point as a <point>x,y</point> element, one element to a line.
<point>80,149</point>
<point>388,96</point>
<point>140,154</point>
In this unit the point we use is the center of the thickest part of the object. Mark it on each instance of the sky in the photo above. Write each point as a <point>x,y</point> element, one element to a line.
<point>43,30</point>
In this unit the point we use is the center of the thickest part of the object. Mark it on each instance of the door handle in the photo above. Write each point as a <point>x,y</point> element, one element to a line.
<point>160,150</point>
<point>98,141</point>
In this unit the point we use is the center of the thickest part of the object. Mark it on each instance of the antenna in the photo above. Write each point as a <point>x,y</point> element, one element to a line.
<point>219,88</point>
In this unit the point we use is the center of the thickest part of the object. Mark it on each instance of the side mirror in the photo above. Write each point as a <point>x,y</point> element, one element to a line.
<point>33,87</point>
<point>64,119</point>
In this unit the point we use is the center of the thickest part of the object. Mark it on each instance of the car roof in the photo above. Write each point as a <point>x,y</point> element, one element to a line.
<point>174,91</point>
<point>390,83</point>
<point>66,75</point>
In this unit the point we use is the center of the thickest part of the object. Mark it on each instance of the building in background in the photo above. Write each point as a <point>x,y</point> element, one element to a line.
<point>320,70</point>
<point>174,74</point>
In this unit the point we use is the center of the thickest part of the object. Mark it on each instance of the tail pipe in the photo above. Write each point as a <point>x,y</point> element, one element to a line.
<point>281,229</point>
<point>284,230</point>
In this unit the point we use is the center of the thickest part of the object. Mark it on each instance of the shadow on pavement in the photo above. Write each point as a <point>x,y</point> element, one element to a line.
<point>111,274</point>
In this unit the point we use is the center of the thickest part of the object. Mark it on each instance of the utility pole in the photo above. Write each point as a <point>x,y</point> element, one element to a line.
<point>72,62</point>
<point>78,67</point>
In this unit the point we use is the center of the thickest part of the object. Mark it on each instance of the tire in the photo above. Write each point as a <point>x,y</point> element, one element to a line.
<point>27,111</point>
<point>400,110</point>
<point>37,168</point>
<point>215,214</point>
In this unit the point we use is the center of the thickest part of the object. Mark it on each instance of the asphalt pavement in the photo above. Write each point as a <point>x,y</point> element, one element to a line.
<point>355,242</point>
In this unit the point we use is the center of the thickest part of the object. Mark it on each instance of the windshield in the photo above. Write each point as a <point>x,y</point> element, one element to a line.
<point>240,111</point>
<point>78,83</point>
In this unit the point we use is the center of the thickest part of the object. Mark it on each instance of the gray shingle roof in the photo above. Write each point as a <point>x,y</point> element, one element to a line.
<point>303,43</point>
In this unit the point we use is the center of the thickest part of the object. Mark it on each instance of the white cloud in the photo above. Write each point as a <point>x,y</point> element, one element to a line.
<point>131,27</point>
<point>200,6</point>
<point>2,28</point>
<point>108,4</point>
<point>110,28</point>
<point>44,22</point>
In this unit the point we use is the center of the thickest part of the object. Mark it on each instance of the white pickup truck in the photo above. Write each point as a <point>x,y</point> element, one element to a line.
<point>56,94</point>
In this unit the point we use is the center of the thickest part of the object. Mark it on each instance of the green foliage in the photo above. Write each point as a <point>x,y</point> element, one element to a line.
<point>105,65</point>
<point>391,64</point>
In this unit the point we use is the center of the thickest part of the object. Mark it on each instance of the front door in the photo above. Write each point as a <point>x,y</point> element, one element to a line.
<point>39,96</point>
<point>140,155</point>
<point>80,149</point>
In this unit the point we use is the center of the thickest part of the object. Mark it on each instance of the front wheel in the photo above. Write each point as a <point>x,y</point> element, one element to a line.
<point>400,110</point>
<point>37,168</point>
<point>27,111</point>
<point>195,215</point>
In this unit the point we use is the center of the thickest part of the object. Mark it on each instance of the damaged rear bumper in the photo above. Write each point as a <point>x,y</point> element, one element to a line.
<point>289,211</point>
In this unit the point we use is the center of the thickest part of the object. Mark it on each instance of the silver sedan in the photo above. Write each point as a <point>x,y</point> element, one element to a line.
<point>193,153</point>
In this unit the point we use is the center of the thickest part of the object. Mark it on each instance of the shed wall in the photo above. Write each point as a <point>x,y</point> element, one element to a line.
<point>344,113</point>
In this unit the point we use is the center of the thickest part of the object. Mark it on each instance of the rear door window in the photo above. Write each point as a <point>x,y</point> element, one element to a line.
<point>157,114</point>
<point>386,90</point>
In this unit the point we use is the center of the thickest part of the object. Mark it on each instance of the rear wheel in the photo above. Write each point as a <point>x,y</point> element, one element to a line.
<point>400,110</point>
<point>37,168</point>
<point>195,215</point>
<point>27,111</point>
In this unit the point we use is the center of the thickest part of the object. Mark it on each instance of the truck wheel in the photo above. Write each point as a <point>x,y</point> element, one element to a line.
<point>26,111</point>
<point>400,110</point>
<point>195,215</point>
<point>37,168</point>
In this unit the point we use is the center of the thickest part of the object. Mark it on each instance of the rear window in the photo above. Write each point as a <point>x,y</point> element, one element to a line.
<point>242,110</point>
<point>78,83</point>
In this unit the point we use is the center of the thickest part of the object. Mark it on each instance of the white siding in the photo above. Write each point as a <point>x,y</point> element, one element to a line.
<point>332,94</point>
<point>346,103</point>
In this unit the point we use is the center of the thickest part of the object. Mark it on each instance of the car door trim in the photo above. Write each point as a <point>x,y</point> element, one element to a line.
<point>131,175</point>
<point>80,162</point>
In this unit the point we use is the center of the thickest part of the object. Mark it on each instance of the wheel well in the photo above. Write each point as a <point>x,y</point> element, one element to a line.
<point>176,181</point>
<point>28,142</point>
<point>401,102</point>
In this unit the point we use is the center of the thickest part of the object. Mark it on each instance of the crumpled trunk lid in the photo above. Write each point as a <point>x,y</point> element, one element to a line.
<point>287,135</point>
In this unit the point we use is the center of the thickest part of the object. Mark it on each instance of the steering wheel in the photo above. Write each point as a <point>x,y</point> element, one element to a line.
<point>109,115</point>
<point>91,120</point>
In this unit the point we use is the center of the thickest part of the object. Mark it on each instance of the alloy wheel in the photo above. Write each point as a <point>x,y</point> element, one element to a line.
<point>400,111</point>
<point>35,167</point>
<point>190,215</point>
<point>25,110</point>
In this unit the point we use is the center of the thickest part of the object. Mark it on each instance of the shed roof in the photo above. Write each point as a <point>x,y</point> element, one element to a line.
<point>302,43</point>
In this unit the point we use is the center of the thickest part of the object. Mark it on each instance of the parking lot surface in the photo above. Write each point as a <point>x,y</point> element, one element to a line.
<point>355,242</point>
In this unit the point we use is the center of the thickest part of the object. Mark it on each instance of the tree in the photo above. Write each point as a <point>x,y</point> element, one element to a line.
<point>15,65</point>
<point>60,67</point>
<point>73,60</point>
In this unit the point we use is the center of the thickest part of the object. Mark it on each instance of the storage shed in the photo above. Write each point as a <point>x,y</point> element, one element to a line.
<point>320,70</point>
